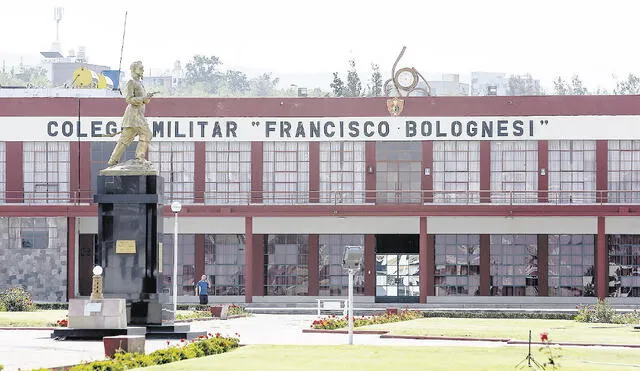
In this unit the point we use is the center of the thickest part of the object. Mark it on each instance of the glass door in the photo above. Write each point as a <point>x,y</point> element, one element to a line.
<point>397,278</point>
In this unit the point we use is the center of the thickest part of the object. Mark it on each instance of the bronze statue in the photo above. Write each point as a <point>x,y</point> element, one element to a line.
<point>133,122</point>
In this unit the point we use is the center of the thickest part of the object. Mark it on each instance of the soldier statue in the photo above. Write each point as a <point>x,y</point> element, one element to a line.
<point>133,122</point>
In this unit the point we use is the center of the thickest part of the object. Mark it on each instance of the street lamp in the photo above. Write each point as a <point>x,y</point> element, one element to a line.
<point>175,207</point>
<point>352,261</point>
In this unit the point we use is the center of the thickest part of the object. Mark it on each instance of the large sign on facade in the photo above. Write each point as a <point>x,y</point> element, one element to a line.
<point>328,128</point>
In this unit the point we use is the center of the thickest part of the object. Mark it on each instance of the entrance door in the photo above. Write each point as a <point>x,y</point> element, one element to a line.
<point>397,268</point>
<point>86,248</point>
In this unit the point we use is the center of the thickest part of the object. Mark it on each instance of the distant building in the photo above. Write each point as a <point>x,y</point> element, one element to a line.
<point>488,83</point>
<point>167,80</point>
<point>449,85</point>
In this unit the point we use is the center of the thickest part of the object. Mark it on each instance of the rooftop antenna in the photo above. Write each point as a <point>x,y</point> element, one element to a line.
<point>57,16</point>
<point>124,31</point>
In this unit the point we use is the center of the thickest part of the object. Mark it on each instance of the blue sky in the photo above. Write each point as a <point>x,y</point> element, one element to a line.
<point>595,39</point>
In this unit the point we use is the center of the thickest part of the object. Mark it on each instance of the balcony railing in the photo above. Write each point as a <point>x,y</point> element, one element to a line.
<point>360,197</point>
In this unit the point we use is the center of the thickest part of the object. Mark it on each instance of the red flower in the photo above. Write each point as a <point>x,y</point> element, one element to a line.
<point>201,337</point>
<point>544,336</point>
<point>168,342</point>
<point>217,334</point>
<point>182,340</point>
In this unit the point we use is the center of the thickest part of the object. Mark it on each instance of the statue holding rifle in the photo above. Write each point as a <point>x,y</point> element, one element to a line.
<point>133,122</point>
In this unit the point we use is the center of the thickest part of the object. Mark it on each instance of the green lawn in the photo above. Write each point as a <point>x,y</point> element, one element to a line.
<point>38,318</point>
<point>517,329</point>
<point>368,358</point>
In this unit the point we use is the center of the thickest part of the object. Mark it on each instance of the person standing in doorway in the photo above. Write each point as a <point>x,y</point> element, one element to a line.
<point>202,289</point>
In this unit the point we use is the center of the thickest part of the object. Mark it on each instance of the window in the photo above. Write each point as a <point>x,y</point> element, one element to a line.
<point>571,265</point>
<point>399,172</point>
<point>36,233</point>
<point>456,171</point>
<point>224,263</point>
<point>100,153</point>
<point>186,264</point>
<point>514,172</point>
<point>334,279</point>
<point>457,265</point>
<point>342,172</point>
<point>228,178</point>
<point>286,172</point>
<point>514,265</point>
<point>46,172</point>
<point>286,263</point>
<point>175,163</point>
<point>624,265</point>
<point>624,171</point>
<point>572,171</point>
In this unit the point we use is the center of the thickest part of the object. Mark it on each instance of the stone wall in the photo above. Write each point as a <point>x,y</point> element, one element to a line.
<point>39,269</point>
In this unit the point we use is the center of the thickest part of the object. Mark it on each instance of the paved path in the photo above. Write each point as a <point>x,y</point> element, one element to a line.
<point>29,349</point>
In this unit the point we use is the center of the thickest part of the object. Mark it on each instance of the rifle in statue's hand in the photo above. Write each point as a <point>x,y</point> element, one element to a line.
<point>150,95</point>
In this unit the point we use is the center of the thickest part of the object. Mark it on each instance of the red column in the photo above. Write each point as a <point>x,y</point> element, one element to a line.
<point>314,172</point>
<point>71,257</point>
<point>426,262</point>
<point>370,173</point>
<point>427,168</point>
<point>369,264</point>
<point>485,265</point>
<point>74,172</point>
<point>256,172</point>
<point>485,171</point>
<point>248,260</point>
<point>543,163</point>
<point>314,265</point>
<point>543,265</point>
<point>199,256</point>
<point>602,170</point>
<point>258,265</point>
<point>86,194</point>
<point>602,264</point>
<point>14,172</point>
<point>200,171</point>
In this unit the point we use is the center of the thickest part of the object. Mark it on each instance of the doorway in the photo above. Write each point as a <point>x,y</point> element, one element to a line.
<point>397,268</point>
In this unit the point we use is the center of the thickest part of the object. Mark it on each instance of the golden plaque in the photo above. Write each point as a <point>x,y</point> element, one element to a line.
<point>395,106</point>
<point>125,246</point>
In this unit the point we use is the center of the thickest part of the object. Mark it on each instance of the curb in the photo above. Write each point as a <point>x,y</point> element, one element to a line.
<point>522,342</point>
<point>420,337</point>
<point>27,328</point>
<point>359,332</point>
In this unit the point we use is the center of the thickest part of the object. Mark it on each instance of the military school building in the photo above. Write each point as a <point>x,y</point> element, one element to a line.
<point>454,197</point>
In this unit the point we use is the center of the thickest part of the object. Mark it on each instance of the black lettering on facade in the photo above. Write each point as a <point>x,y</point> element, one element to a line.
<point>111,127</point>
<point>314,130</point>
<point>487,129</point>
<point>502,128</point>
<point>456,128</point>
<point>300,130</point>
<point>202,124</point>
<point>231,129</point>
<point>158,129</point>
<point>285,129</point>
<point>96,128</point>
<point>269,127</point>
<point>410,129</point>
<point>328,133</point>
<point>383,128</point>
<point>518,131</point>
<point>67,128</point>
<point>354,130</point>
<point>472,129</point>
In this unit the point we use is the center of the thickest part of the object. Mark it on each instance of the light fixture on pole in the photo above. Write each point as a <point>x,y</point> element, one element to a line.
<point>352,261</point>
<point>175,207</point>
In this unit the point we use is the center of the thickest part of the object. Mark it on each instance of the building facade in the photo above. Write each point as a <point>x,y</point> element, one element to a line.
<point>455,197</point>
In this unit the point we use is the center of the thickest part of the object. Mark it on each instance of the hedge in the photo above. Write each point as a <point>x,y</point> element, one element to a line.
<point>497,314</point>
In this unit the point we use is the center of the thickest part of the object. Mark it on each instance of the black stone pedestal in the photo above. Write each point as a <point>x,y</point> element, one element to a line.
<point>129,238</point>
<point>94,333</point>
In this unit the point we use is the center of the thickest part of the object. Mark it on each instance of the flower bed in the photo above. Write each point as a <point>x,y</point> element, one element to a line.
<point>201,347</point>
<point>334,322</point>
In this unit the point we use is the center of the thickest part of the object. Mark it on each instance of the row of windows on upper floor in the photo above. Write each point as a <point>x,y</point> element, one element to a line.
<point>454,172</point>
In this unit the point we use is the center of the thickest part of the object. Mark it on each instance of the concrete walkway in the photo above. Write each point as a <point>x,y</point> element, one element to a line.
<point>29,349</point>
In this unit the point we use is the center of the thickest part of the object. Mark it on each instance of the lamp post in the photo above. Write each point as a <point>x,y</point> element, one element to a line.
<point>175,207</point>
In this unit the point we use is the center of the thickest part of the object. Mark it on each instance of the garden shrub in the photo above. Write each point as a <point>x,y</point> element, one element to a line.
<point>203,346</point>
<point>499,315</point>
<point>333,322</point>
<point>601,312</point>
<point>3,308</point>
<point>16,299</point>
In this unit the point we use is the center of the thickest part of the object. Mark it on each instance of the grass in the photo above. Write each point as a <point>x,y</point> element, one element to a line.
<point>369,358</point>
<point>38,318</point>
<point>517,329</point>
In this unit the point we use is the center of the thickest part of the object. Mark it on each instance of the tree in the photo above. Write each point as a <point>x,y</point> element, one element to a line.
<point>338,86</point>
<point>376,81</point>
<point>631,86</point>
<point>203,72</point>
<point>236,82</point>
<point>263,85</point>
<point>35,76</point>
<point>354,86</point>
<point>524,85</point>
<point>576,87</point>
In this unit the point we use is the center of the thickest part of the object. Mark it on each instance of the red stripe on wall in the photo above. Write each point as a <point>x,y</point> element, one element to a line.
<point>314,172</point>
<point>427,165</point>
<point>543,265</point>
<point>332,107</point>
<point>370,172</point>
<point>248,260</point>
<point>256,171</point>
<point>602,264</point>
<point>485,265</point>
<point>369,264</point>
<point>199,256</point>
<point>71,257</point>
<point>314,264</point>
<point>485,172</point>
<point>602,170</point>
